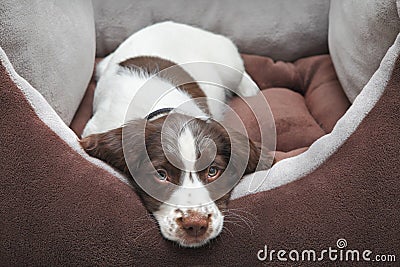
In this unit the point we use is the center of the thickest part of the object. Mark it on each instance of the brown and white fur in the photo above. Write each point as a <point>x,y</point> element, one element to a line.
<point>190,218</point>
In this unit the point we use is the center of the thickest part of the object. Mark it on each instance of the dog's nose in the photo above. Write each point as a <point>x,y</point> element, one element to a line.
<point>195,225</point>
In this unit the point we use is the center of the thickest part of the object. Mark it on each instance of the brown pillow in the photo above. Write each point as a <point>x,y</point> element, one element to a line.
<point>305,98</point>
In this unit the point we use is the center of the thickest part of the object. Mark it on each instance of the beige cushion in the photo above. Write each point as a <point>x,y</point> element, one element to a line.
<point>360,33</point>
<point>51,44</point>
<point>284,30</point>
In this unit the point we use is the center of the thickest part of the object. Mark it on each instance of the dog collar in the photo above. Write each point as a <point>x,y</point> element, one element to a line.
<point>158,112</point>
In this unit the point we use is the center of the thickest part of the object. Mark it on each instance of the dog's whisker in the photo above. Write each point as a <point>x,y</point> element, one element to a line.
<point>238,211</point>
<point>144,232</point>
<point>145,216</point>
<point>209,243</point>
<point>227,230</point>
<point>143,219</point>
<point>250,220</point>
<point>238,224</point>
<point>241,217</point>
<point>155,241</point>
<point>152,240</point>
<point>245,220</point>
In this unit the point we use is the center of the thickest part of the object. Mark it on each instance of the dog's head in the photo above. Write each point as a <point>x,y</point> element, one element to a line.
<point>182,168</point>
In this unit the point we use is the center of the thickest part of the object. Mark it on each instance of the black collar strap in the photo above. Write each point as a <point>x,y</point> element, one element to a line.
<point>158,112</point>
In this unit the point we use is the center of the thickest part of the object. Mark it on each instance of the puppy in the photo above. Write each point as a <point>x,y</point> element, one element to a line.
<point>157,117</point>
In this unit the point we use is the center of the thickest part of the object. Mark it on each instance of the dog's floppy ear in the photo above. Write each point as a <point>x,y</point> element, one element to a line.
<point>108,146</point>
<point>258,156</point>
<point>264,157</point>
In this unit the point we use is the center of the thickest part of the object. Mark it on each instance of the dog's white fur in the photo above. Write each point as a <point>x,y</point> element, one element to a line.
<point>180,44</point>
<point>116,89</point>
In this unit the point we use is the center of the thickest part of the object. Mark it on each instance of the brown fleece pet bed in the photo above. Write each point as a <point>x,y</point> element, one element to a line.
<point>58,208</point>
<point>305,98</point>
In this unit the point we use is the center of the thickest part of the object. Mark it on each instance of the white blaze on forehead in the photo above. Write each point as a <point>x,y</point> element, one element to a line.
<point>192,191</point>
<point>187,149</point>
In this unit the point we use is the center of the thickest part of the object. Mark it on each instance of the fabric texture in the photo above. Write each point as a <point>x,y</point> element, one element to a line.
<point>44,40</point>
<point>268,26</point>
<point>360,33</point>
<point>59,208</point>
<point>305,99</point>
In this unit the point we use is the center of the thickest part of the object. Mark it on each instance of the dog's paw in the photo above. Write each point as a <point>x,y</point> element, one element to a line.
<point>247,86</point>
<point>101,66</point>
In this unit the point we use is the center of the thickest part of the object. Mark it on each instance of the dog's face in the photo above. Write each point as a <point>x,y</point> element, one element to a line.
<point>182,168</point>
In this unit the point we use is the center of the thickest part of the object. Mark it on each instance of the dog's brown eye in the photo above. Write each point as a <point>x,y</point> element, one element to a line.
<point>162,175</point>
<point>213,173</point>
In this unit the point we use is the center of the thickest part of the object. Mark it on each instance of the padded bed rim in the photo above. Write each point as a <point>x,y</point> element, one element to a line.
<point>283,172</point>
<point>292,169</point>
<point>48,115</point>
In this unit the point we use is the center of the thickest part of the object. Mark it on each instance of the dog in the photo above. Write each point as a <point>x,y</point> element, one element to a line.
<point>171,137</point>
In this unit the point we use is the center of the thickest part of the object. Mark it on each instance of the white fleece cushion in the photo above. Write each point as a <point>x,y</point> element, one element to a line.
<point>52,45</point>
<point>360,33</point>
<point>284,29</point>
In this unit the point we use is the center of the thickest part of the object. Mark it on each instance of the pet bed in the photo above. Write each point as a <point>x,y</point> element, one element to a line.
<point>60,206</point>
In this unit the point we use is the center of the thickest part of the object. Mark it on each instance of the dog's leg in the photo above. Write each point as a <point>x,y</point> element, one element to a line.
<point>247,86</point>
<point>101,67</point>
